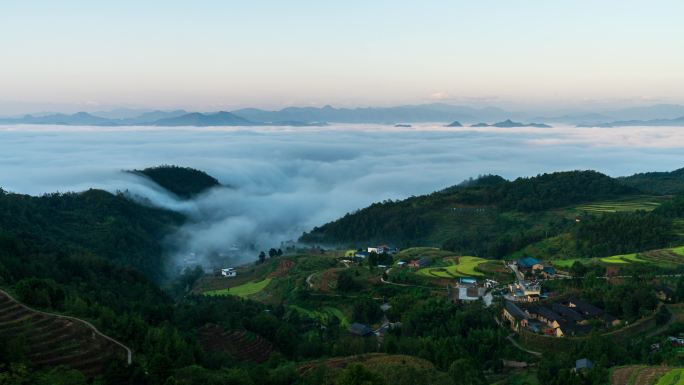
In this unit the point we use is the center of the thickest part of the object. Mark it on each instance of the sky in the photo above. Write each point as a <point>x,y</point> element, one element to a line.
<point>212,55</point>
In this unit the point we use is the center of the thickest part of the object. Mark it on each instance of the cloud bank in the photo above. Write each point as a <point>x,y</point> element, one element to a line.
<point>288,180</point>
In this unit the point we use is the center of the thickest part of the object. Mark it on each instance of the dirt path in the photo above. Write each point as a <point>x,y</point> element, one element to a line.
<point>308,280</point>
<point>520,347</point>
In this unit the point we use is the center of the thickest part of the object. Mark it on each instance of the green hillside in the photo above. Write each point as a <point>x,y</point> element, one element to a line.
<point>594,214</point>
<point>185,182</point>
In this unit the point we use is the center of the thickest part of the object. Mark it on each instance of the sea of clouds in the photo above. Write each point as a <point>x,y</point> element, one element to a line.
<point>288,180</point>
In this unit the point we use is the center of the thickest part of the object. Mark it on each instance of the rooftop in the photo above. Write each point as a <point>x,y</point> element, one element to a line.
<point>528,262</point>
<point>514,310</point>
<point>360,329</point>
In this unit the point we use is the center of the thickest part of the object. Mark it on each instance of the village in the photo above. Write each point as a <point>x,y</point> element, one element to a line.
<point>539,303</point>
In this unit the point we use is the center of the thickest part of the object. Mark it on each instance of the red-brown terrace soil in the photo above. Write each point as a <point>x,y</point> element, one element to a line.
<point>52,340</point>
<point>638,374</point>
<point>283,268</point>
<point>240,344</point>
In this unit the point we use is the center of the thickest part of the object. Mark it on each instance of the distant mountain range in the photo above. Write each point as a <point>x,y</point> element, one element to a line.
<point>653,122</point>
<point>154,118</point>
<point>435,112</point>
<point>660,115</point>
<point>510,123</point>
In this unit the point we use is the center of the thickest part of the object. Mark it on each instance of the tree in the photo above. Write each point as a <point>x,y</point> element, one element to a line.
<point>663,315</point>
<point>578,269</point>
<point>272,253</point>
<point>279,252</point>
<point>372,259</point>
<point>345,281</point>
<point>356,374</point>
<point>262,257</point>
<point>366,310</point>
<point>464,372</point>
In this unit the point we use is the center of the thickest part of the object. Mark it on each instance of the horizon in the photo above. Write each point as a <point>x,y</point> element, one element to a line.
<point>543,57</point>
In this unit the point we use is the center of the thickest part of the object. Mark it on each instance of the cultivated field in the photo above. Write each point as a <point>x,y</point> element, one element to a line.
<point>240,344</point>
<point>625,258</point>
<point>324,313</point>
<point>647,375</point>
<point>456,267</point>
<point>642,203</point>
<point>244,290</point>
<point>671,257</point>
<point>52,340</point>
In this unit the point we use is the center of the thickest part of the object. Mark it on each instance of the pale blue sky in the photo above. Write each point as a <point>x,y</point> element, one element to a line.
<point>212,55</point>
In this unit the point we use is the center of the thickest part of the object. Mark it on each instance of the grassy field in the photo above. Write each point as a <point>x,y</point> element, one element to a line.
<point>673,377</point>
<point>679,227</point>
<point>327,311</point>
<point>621,259</point>
<point>464,268</point>
<point>567,263</point>
<point>646,203</point>
<point>244,290</point>
<point>678,250</point>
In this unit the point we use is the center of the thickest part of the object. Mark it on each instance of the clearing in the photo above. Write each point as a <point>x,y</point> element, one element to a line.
<point>645,203</point>
<point>243,291</point>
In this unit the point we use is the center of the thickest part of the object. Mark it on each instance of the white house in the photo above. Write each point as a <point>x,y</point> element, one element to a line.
<point>229,272</point>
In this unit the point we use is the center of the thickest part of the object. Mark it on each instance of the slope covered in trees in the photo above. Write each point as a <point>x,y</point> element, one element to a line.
<point>657,182</point>
<point>472,210</point>
<point>110,226</point>
<point>185,182</point>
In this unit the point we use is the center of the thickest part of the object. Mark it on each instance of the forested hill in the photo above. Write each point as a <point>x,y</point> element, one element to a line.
<point>185,182</point>
<point>657,182</point>
<point>488,216</point>
<point>544,191</point>
<point>93,222</point>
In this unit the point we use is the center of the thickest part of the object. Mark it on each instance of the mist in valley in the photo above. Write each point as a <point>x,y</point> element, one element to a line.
<point>280,182</point>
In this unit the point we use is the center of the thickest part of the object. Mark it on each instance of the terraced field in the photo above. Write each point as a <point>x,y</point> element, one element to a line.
<point>324,312</point>
<point>646,204</point>
<point>54,340</point>
<point>625,258</point>
<point>679,227</point>
<point>240,344</point>
<point>647,375</point>
<point>663,257</point>
<point>458,267</point>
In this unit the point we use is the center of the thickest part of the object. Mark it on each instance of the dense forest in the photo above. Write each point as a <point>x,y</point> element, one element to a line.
<point>657,182</point>
<point>185,182</point>
<point>108,225</point>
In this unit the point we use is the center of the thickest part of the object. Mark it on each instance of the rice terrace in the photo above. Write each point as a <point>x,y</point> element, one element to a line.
<point>456,267</point>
